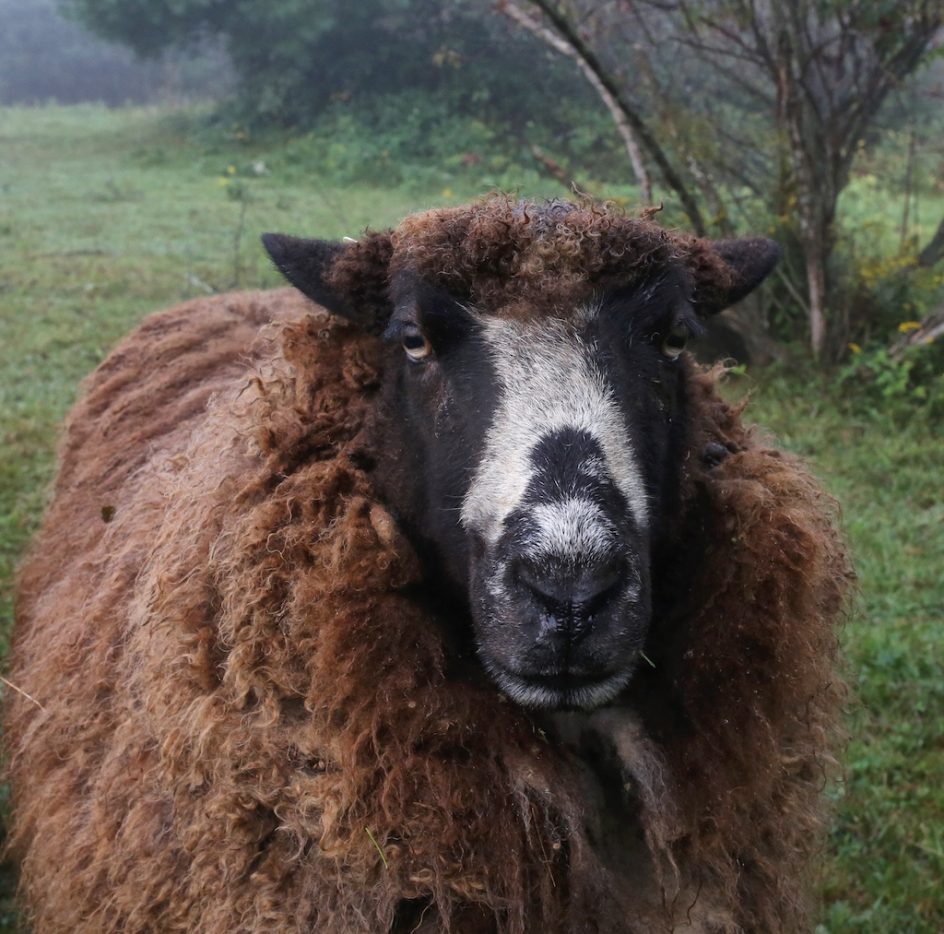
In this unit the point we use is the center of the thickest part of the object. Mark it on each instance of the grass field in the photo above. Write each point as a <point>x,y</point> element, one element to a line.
<point>106,215</point>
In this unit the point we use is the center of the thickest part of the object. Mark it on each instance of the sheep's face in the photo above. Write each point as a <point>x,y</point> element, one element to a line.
<point>546,448</point>
<point>533,449</point>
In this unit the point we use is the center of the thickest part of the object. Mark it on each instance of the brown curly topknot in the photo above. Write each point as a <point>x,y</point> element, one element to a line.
<point>519,258</point>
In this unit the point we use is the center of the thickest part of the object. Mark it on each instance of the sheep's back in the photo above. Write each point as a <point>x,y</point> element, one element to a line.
<point>139,408</point>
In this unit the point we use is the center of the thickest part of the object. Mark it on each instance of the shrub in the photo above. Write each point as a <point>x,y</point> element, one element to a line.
<point>903,381</point>
<point>295,57</point>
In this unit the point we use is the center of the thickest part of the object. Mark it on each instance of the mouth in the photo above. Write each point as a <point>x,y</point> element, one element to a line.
<point>563,691</point>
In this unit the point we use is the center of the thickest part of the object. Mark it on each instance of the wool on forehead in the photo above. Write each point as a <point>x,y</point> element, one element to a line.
<point>520,258</point>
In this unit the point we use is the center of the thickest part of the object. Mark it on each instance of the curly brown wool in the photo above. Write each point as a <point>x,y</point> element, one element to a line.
<point>523,258</point>
<point>240,711</point>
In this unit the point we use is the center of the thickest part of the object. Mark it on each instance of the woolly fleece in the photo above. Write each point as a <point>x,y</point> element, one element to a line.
<point>244,717</point>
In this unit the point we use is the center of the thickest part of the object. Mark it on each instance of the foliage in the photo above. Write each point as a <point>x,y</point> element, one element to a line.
<point>295,57</point>
<point>901,382</point>
<point>878,281</point>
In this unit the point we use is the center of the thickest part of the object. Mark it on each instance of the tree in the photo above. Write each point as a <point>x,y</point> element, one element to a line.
<point>618,109</point>
<point>293,57</point>
<point>768,96</point>
<point>933,251</point>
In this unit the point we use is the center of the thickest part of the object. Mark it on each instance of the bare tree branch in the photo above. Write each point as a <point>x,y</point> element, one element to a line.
<point>770,97</point>
<point>933,251</point>
<point>619,118</point>
<point>670,176</point>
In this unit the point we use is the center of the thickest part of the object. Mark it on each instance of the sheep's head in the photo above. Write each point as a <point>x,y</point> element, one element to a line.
<point>534,414</point>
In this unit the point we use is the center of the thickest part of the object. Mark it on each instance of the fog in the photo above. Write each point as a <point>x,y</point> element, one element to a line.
<point>47,57</point>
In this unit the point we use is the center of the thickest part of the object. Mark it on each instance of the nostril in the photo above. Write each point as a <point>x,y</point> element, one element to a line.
<point>597,586</point>
<point>581,590</point>
<point>545,586</point>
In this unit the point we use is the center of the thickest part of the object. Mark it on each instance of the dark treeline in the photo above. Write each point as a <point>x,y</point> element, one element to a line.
<point>295,57</point>
<point>738,114</point>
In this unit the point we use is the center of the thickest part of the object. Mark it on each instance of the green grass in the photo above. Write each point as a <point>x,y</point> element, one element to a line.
<point>106,215</point>
<point>886,858</point>
<point>887,847</point>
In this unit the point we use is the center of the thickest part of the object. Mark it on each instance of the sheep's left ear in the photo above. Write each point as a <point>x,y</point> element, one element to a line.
<point>349,278</point>
<point>744,264</point>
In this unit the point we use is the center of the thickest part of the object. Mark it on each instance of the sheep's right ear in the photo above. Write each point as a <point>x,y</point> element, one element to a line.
<point>349,279</point>
<point>746,262</point>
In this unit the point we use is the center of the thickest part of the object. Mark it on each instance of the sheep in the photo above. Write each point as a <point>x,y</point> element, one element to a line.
<point>441,593</point>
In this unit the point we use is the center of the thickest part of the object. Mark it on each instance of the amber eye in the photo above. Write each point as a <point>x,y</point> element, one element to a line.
<point>416,345</point>
<point>674,342</point>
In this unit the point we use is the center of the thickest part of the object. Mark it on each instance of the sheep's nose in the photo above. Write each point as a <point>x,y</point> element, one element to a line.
<point>567,591</point>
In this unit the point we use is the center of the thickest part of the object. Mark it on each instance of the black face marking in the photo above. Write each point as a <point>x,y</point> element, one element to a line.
<point>434,416</point>
<point>569,463</point>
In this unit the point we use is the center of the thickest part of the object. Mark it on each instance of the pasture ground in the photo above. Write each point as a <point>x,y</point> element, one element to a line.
<point>106,215</point>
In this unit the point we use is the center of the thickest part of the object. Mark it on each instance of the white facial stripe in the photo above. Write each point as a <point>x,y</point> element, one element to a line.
<point>573,528</point>
<point>548,381</point>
